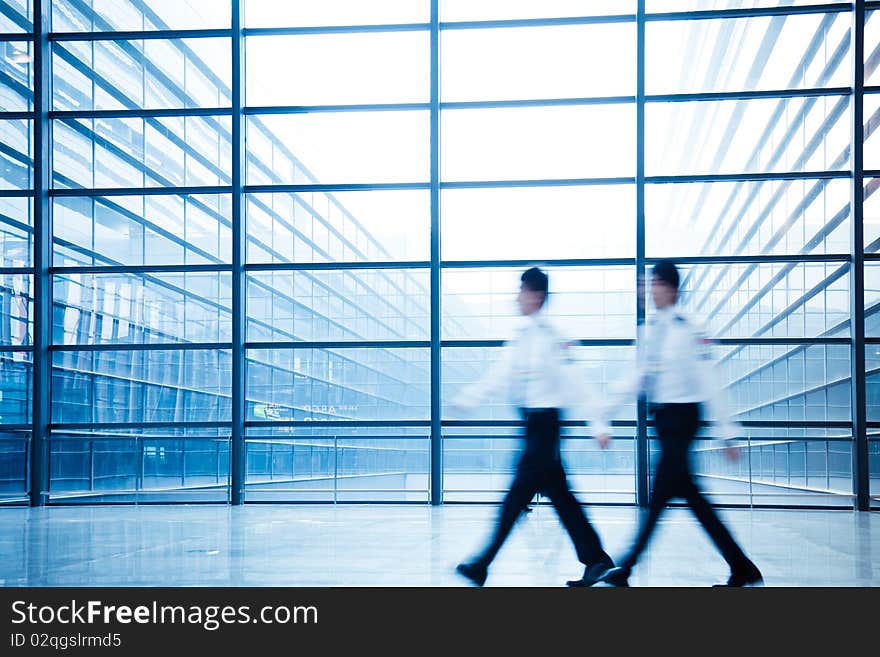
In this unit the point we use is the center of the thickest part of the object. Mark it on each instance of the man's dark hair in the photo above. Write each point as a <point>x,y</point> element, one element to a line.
<point>536,280</point>
<point>667,272</point>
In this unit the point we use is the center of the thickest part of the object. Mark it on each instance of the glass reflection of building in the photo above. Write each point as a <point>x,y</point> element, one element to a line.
<point>769,267</point>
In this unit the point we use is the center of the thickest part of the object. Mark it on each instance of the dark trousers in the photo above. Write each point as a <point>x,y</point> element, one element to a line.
<point>540,471</point>
<point>677,425</point>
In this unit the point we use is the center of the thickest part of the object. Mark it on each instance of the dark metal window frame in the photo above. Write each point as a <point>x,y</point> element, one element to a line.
<point>42,116</point>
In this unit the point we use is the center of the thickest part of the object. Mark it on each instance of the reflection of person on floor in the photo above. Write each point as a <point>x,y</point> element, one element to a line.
<point>674,370</point>
<point>534,367</point>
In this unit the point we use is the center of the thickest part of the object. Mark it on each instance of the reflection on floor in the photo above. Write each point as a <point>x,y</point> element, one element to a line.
<point>376,545</point>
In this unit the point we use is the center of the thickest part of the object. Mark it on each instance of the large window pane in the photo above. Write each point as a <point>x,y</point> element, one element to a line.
<point>872,299</point>
<point>872,216</point>
<point>309,13</point>
<point>538,142</point>
<point>142,308</point>
<point>154,152</point>
<point>723,55</point>
<point>479,464</point>
<point>359,304</point>
<point>539,62</point>
<point>596,368</point>
<point>503,223</point>
<point>16,76</point>
<point>344,147</point>
<point>338,226</point>
<point>141,386</point>
<point>149,74</point>
<point>774,471</point>
<point>16,309</point>
<point>386,464</point>
<point>13,465</point>
<point>779,217</point>
<point>165,465</point>
<point>584,302</point>
<point>106,15</point>
<point>786,382</point>
<point>137,230</point>
<point>338,384</point>
<point>474,10</point>
<point>16,232</point>
<point>872,369</point>
<point>16,166</point>
<point>331,69</point>
<point>16,386</point>
<point>745,136</point>
<point>16,16</point>
<point>768,300</point>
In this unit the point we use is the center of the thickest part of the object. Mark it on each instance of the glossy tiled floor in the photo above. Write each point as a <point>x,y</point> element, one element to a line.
<point>406,546</point>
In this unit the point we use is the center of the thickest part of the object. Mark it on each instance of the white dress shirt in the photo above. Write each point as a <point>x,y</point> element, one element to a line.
<point>534,369</point>
<point>673,366</point>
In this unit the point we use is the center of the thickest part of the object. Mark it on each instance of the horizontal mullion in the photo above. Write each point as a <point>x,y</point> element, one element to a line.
<point>872,173</point>
<point>139,191</point>
<point>140,346</point>
<point>338,423</point>
<point>745,177</point>
<point>16,427</point>
<point>872,256</point>
<point>558,262</point>
<point>537,102</point>
<point>16,270</point>
<point>544,182</point>
<point>748,95</point>
<point>339,344</point>
<point>722,259</point>
<point>140,113</point>
<point>85,426</point>
<point>518,423</point>
<point>138,35</point>
<point>16,193</point>
<point>16,116</point>
<point>706,14</point>
<point>335,29</point>
<point>16,36</point>
<point>795,424</point>
<point>537,22</point>
<point>263,110</point>
<point>872,89</point>
<point>269,438</point>
<point>872,340</point>
<point>333,187</point>
<point>581,342</point>
<point>780,341</point>
<point>139,269</point>
<point>10,348</point>
<point>336,265</point>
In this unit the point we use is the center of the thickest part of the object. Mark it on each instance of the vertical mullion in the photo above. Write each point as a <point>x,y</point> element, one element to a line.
<point>42,365</point>
<point>642,465</point>
<point>436,435</point>
<point>861,482</point>
<point>237,448</point>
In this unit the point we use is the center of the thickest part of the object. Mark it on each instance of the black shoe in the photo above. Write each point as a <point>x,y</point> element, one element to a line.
<point>475,572</point>
<point>592,574</point>
<point>616,577</point>
<point>749,576</point>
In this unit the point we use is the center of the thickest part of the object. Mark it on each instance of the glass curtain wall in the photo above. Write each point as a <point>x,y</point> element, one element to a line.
<point>282,236</point>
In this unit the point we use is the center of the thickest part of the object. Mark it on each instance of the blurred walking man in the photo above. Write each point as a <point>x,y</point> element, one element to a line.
<point>534,367</point>
<point>674,370</point>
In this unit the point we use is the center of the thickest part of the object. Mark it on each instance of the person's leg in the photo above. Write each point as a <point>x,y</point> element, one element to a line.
<point>721,537</point>
<point>521,491</point>
<point>586,541</point>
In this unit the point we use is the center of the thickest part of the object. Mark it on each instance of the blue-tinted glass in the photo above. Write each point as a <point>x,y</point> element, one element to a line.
<point>338,384</point>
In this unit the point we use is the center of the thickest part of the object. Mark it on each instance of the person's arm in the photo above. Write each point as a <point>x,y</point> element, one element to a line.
<point>495,379</point>
<point>622,391</point>
<point>710,381</point>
